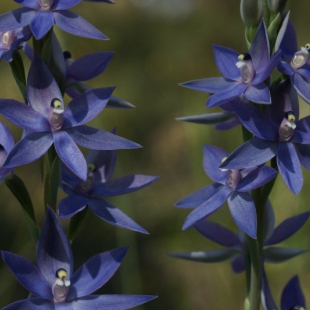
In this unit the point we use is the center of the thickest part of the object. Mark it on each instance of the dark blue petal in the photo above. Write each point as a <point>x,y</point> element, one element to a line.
<point>199,197</point>
<point>231,93</point>
<point>23,116</point>
<point>71,205</point>
<point>289,167</point>
<point>95,272</point>
<point>267,300</point>
<point>302,86</point>
<point>238,264</point>
<point>212,158</point>
<point>251,154</point>
<point>6,138</point>
<point>111,302</point>
<point>287,228</point>
<point>64,4</point>
<point>41,24</point>
<point>33,304</point>
<point>217,233</point>
<point>207,208</point>
<point>124,185</point>
<point>86,106</point>
<point>303,153</point>
<point>70,154</point>
<point>33,4</point>
<point>292,295</point>
<point>255,121</point>
<point>256,178</point>
<point>209,85</point>
<point>30,148</point>
<point>53,250</point>
<point>258,93</point>
<point>16,19</point>
<point>93,138</point>
<point>285,68</point>
<point>226,60</point>
<point>28,275</point>
<point>75,24</point>
<point>112,215</point>
<point>89,66</point>
<point>243,211</point>
<point>302,131</point>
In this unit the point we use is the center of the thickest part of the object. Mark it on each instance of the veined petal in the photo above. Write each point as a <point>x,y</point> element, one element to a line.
<point>28,275</point>
<point>207,208</point>
<point>41,87</point>
<point>16,19</point>
<point>251,154</point>
<point>75,24</point>
<point>285,68</point>
<point>226,59</point>
<point>303,152</point>
<point>30,148</point>
<point>71,205</point>
<point>70,154</point>
<point>243,211</point>
<point>302,131</point>
<point>94,138</point>
<point>41,24</point>
<point>64,4</point>
<point>199,197</point>
<point>33,304</point>
<point>86,106</point>
<point>287,228</point>
<point>89,66</point>
<point>258,93</point>
<point>23,115</point>
<point>209,85</point>
<point>53,250</point>
<point>231,93</point>
<point>302,86</point>
<point>111,302</point>
<point>6,138</point>
<point>212,158</point>
<point>32,4</point>
<point>124,185</point>
<point>292,295</point>
<point>96,272</point>
<point>256,178</point>
<point>112,215</point>
<point>255,121</point>
<point>289,167</point>
<point>217,233</point>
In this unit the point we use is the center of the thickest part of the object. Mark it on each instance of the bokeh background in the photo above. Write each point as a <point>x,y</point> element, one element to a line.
<point>158,44</point>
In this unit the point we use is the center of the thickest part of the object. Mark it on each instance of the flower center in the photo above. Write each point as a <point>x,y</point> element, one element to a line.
<point>46,4</point>
<point>233,176</point>
<point>297,308</point>
<point>300,57</point>
<point>61,286</point>
<point>7,38</point>
<point>287,126</point>
<point>56,117</point>
<point>246,68</point>
<point>86,186</point>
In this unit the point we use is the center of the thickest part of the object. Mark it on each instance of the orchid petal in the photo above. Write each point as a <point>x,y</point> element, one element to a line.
<point>71,205</point>
<point>292,295</point>
<point>301,133</point>
<point>64,4</point>
<point>41,24</point>
<point>258,93</point>
<point>238,264</point>
<point>209,85</point>
<point>33,304</point>
<point>303,152</point>
<point>16,19</point>
<point>302,86</point>
<point>6,138</point>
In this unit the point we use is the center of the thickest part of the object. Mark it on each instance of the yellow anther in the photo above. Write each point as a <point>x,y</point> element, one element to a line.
<point>56,103</point>
<point>224,159</point>
<point>290,117</point>
<point>307,46</point>
<point>241,57</point>
<point>91,167</point>
<point>61,273</point>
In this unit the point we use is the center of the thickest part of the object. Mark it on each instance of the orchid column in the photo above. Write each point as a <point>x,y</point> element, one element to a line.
<point>265,103</point>
<point>52,132</point>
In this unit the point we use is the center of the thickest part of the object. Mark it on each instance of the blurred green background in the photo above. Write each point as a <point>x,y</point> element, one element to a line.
<point>158,44</point>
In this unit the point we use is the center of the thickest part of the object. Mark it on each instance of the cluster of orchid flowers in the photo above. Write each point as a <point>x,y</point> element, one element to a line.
<point>265,103</point>
<point>53,129</point>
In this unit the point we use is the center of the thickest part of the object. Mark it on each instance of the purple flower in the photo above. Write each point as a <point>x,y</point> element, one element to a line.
<point>232,185</point>
<point>11,41</point>
<point>278,133</point>
<point>47,121</point>
<point>41,15</point>
<point>244,74</point>
<point>294,63</point>
<point>6,145</point>
<point>101,165</point>
<point>56,286</point>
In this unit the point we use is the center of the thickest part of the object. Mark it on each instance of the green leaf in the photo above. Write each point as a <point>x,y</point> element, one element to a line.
<point>208,119</point>
<point>273,30</point>
<point>279,255</point>
<point>76,222</point>
<point>19,190</point>
<point>209,256</point>
<point>18,70</point>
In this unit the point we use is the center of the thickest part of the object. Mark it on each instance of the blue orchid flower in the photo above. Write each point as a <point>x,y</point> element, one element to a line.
<point>48,122</point>
<point>41,15</point>
<point>244,74</point>
<point>91,193</point>
<point>277,133</point>
<point>56,286</point>
<point>232,185</point>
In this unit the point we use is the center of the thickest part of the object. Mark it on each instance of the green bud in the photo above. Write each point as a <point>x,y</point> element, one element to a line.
<point>251,12</point>
<point>276,6</point>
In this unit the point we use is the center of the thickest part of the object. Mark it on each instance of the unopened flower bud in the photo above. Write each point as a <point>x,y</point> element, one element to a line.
<point>251,12</point>
<point>276,6</point>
